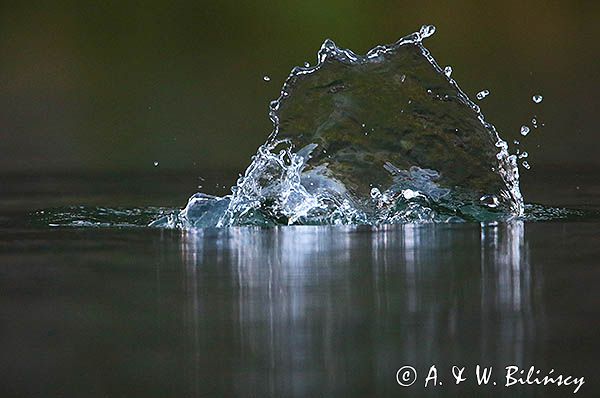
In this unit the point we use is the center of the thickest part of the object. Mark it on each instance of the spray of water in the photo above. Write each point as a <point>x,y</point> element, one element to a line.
<point>387,137</point>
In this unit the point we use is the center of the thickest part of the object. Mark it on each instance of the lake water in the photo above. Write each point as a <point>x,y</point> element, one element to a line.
<point>289,311</point>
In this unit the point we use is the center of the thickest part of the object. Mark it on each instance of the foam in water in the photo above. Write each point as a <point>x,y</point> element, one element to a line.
<point>387,137</point>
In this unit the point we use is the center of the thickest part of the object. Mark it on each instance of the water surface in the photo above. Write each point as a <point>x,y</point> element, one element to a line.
<point>290,311</point>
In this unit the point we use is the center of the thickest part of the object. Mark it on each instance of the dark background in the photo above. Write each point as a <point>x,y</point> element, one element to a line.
<point>93,94</point>
<point>113,86</point>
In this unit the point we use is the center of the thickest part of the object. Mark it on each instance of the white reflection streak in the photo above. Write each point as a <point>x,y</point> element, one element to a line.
<point>296,287</point>
<point>503,250</point>
<point>273,270</point>
<point>411,245</point>
<point>192,245</point>
<point>504,253</point>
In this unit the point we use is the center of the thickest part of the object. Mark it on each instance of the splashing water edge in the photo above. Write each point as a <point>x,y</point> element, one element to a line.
<point>125,218</point>
<point>293,199</point>
<point>343,151</point>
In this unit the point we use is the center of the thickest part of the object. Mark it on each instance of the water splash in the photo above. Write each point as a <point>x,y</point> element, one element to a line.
<point>387,137</point>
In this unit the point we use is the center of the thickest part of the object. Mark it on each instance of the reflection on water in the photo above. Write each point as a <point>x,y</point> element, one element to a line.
<point>306,310</point>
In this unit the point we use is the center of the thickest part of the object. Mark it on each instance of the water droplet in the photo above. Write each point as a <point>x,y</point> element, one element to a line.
<point>482,94</point>
<point>306,65</point>
<point>534,122</point>
<point>266,78</point>
<point>524,130</point>
<point>155,163</point>
<point>537,98</point>
<point>426,31</point>
<point>523,155</point>
<point>375,193</point>
<point>448,71</point>
<point>526,165</point>
<point>516,142</point>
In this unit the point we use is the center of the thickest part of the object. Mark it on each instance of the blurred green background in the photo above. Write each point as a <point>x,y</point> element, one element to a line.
<point>116,85</point>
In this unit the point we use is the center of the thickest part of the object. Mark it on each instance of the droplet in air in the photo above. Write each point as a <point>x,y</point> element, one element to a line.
<point>426,31</point>
<point>266,78</point>
<point>524,130</point>
<point>526,165</point>
<point>375,193</point>
<point>482,94</point>
<point>537,98</point>
<point>516,142</point>
<point>155,163</point>
<point>523,155</point>
<point>534,122</point>
<point>306,65</point>
<point>448,71</point>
